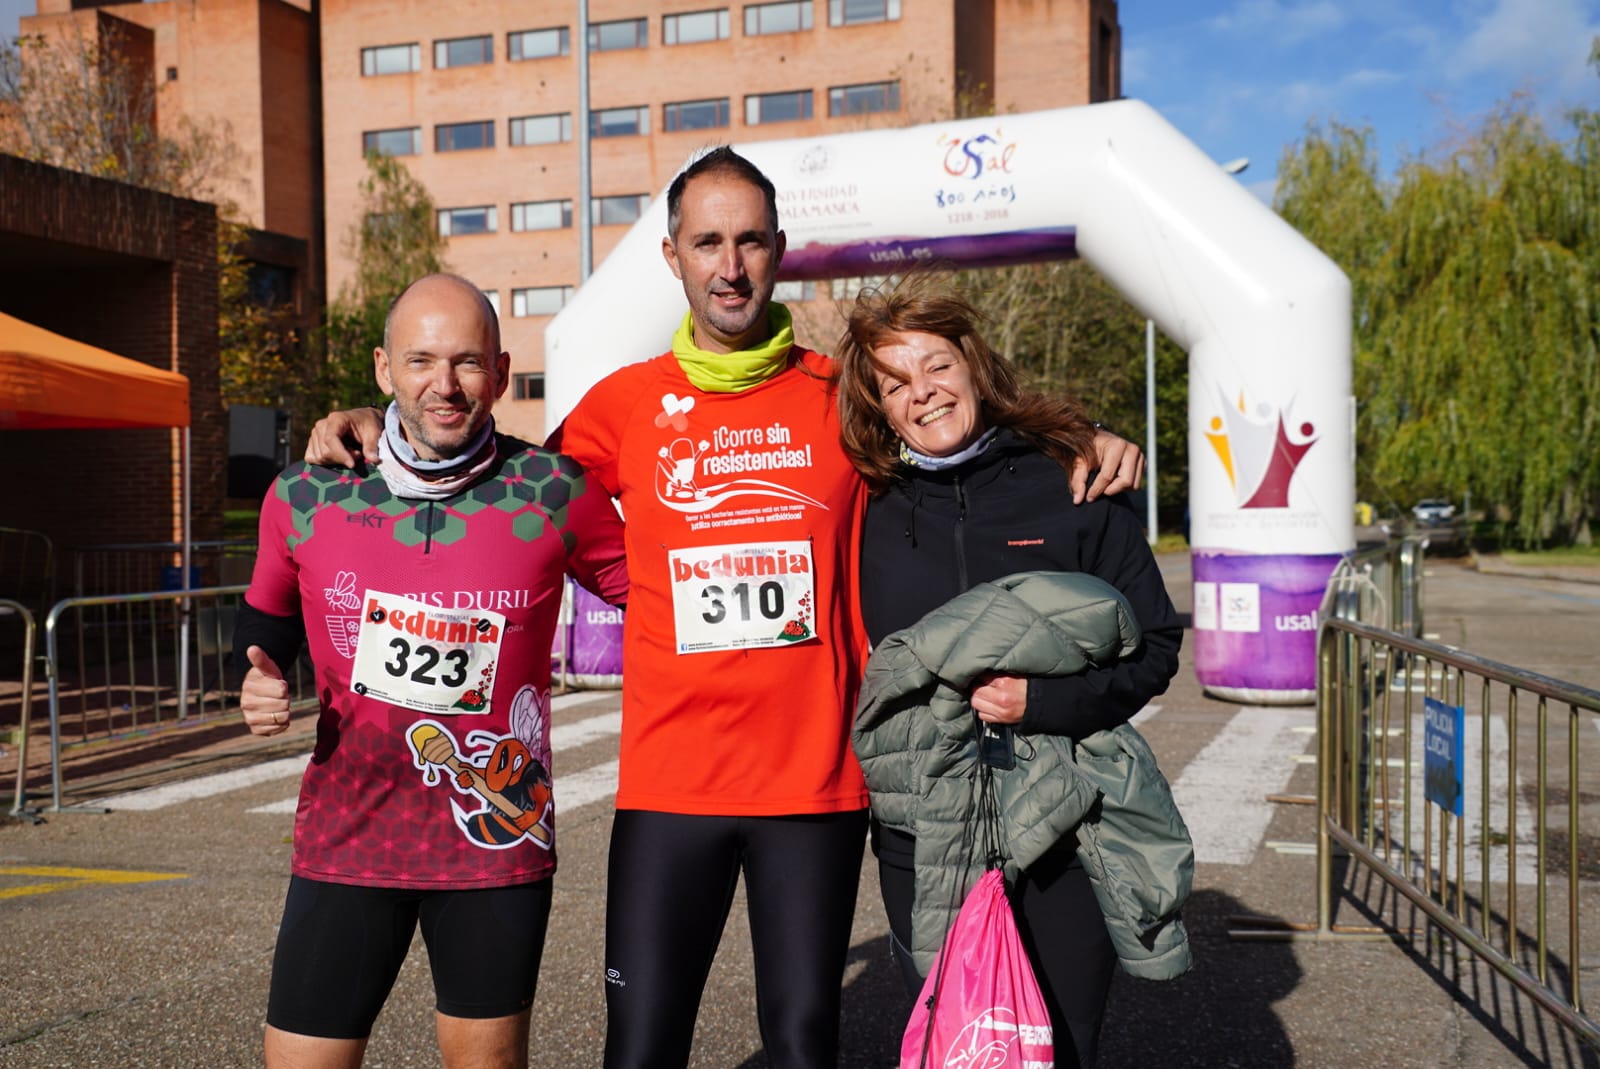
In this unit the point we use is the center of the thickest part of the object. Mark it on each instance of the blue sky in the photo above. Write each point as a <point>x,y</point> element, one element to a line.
<point>1242,78</point>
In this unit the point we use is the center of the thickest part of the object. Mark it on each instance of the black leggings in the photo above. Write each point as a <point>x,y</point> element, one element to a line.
<point>1062,930</point>
<point>668,891</point>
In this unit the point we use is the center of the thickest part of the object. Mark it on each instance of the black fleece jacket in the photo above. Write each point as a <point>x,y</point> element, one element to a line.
<point>935,534</point>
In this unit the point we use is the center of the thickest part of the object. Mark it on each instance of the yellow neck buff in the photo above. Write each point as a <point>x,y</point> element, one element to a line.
<point>732,372</point>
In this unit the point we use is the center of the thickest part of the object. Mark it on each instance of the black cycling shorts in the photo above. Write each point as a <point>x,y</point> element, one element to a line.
<point>340,948</point>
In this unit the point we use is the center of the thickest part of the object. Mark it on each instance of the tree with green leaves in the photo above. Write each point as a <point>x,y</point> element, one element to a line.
<point>395,240</point>
<point>1477,345</point>
<point>1068,330</point>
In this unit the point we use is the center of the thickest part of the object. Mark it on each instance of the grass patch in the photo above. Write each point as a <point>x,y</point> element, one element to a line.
<point>1564,557</point>
<point>240,524</point>
<point>1170,543</point>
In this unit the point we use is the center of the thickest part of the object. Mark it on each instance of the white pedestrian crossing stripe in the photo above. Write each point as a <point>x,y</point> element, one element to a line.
<point>1471,827</point>
<point>562,737</point>
<point>1222,793</point>
<point>206,786</point>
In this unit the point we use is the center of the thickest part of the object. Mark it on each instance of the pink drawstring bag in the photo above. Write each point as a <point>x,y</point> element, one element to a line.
<point>980,1007</point>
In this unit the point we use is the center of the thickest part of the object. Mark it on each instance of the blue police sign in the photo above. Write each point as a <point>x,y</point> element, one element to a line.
<point>1443,759</point>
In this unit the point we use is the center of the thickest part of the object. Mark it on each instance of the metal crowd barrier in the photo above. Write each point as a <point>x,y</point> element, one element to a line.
<point>9,608</point>
<point>132,567</point>
<point>27,568</point>
<point>1381,586</point>
<point>135,665</point>
<point>1518,774</point>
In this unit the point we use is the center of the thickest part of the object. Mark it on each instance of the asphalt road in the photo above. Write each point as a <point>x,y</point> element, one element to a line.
<point>143,936</point>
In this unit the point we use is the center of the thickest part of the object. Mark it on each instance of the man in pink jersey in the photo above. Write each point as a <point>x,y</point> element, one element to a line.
<point>743,647</point>
<point>428,590</point>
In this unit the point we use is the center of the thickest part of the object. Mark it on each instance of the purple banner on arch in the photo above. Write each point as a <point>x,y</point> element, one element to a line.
<point>1255,622</point>
<point>886,255</point>
<point>594,640</point>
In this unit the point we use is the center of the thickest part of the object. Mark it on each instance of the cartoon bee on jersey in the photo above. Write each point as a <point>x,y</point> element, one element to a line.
<point>501,773</point>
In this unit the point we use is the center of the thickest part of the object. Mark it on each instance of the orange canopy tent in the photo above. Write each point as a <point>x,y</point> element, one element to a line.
<point>47,381</point>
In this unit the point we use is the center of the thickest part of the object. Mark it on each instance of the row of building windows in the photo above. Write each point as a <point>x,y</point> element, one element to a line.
<point>694,27</point>
<point>759,109</point>
<point>540,215</point>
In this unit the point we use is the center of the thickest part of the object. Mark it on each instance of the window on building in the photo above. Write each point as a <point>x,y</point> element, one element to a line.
<point>539,300</point>
<point>463,52</point>
<point>609,211</point>
<point>461,222</point>
<point>391,59</point>
<point>406,141</point>
<point>619,122</point>
<point>462,136</point>
<point>856,12</point>
<point>794,291</point>
<point>493,297</point>
<point>863,99</point>
<point>694,27</point>
<point>777,107</point>
<point>624,33</point>
<point>541,215</point>
<point>791,16</point>
<point>541,129</point>
<point>172,74</point>
<point>527,386</point>
<point>538,44</point>
<point>694,115</point>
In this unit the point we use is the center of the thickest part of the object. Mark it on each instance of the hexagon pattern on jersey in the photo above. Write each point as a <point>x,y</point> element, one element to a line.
<point>533,485</point>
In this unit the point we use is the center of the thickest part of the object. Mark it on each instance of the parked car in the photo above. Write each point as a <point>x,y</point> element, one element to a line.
<point>1433,512</point>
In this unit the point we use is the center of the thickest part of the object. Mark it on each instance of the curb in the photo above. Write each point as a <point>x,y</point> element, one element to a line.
<point>1494,564</point>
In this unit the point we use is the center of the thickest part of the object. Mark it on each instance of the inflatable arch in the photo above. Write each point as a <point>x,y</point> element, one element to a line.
<point>1264,316</point>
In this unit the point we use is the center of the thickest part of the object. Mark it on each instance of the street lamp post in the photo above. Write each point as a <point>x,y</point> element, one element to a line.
<point>585,239</point>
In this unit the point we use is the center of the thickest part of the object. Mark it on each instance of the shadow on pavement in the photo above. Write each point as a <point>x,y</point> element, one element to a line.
<point>1219,1014</point>
<point>1532,1037</point>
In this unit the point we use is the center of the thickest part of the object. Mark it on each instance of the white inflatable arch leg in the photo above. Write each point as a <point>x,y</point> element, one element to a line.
<point>1264,316</point>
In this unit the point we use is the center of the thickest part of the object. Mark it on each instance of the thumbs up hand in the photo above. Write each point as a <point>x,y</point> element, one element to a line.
<point>264,695</point>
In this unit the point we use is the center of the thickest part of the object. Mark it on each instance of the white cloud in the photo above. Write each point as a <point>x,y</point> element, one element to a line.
<point>1533,42</point>
<point>1283,23</point>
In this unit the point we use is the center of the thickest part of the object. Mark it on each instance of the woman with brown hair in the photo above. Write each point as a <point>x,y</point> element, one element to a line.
<point>968,473</point>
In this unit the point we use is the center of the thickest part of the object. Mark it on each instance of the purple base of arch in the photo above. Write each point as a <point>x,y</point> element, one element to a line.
<point>594,641</point>
<point>1260,642</point>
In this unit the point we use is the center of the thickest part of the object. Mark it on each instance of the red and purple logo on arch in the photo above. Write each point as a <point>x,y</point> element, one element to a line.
<point>1260,448</point>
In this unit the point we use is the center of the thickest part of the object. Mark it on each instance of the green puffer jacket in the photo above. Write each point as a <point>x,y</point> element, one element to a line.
<point>914,736</point>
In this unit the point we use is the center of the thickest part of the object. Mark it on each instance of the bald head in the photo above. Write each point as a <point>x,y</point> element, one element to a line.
<point>441,361</point>
<point>429,282</point>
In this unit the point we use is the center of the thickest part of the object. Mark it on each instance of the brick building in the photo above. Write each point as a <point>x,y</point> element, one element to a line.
<point>481,101</point>
<point>134,272</point>
<point>244,71</point>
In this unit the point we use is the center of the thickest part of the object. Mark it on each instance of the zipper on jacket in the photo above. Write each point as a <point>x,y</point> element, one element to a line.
<point>960,536</point>
<point>427,544</point>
